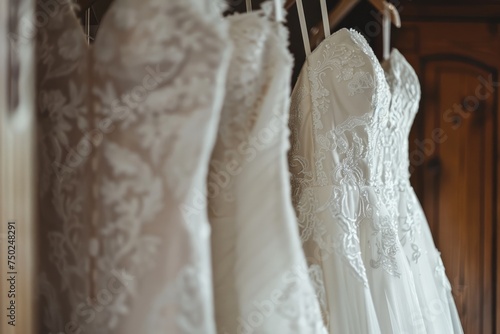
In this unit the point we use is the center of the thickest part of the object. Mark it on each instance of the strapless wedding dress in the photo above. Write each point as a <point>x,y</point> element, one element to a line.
<point>261,280</point>
<point>345,158</point>
<point>126,127</point>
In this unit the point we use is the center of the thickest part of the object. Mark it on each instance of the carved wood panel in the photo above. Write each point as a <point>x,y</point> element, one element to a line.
<point>455,173</point>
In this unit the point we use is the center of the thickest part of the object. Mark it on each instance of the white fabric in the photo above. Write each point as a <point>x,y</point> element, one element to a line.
<point>126,128</point>
<point>278,9</point>
<point>433,288</point>
<point>345,192</point>
<point>386,29</point>
<point>261,280</point>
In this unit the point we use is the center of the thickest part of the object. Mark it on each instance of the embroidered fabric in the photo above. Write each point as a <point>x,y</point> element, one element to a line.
<point>261,280</point>
<point>128,234</point>
<point>343,180</point>
<point>432,286</point>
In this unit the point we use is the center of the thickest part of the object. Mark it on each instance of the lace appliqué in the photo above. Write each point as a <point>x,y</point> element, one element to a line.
<point>387,247</point>
<point>405,91</point>
<point>409,226</point>
<point>118,160</point>
<point>440,273</point>
<point>356,142</point>
<point>347,60</point>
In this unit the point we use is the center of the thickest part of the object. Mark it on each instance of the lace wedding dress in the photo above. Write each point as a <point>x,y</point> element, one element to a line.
<point>433,288</point>
<point>261,280</point>
<point>126,128</point>
<point>345,157</point>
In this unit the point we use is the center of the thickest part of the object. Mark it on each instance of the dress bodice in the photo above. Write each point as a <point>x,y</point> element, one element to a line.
<point>343,169</point>
<point>344,126</point>
<point>341,140</point>
<point>248,191</point>
<point>405,97</point>
<point>431,284</point>
<point>126,232</point>
<point>359,220</point>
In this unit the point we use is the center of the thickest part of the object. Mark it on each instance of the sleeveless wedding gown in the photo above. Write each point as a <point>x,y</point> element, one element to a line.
<point>261,280</point>
<point>433,288</point>
<point>345,159</point>
<point>126,128</point>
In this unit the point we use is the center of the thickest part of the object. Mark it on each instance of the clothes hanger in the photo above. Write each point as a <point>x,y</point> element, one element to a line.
<point>84,5</point>
<point>289,4</point>
<point>87,24</point>
<point>344,7</point>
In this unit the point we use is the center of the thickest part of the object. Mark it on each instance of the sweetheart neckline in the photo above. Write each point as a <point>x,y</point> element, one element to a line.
<point>381,65</point>
<point>351,32</point>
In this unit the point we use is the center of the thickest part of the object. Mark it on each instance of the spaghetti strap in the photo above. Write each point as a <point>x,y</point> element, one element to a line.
<point>249,5</point>
<point>386,26</point>
<point>324,15</point>
<point>278,10</point>
<point>303,24</point>
<point>303,27</point>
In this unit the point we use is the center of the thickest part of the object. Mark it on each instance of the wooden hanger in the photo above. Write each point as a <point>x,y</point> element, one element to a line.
<point>342,9</point>
<point>345,6</point>
<point>289,4</point>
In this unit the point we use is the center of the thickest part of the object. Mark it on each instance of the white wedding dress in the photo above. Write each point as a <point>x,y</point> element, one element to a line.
<point>261,280</point>
<point>433,288</point>
<point>126,127</point>
<point>345,159</point>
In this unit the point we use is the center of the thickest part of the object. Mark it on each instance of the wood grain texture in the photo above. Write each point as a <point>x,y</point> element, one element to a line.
<point>457,180</point>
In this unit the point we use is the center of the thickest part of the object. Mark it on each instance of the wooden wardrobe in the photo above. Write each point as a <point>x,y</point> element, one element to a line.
<point>455,143</point>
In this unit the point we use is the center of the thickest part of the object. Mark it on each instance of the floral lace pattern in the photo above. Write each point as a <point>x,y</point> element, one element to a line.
<point>346,187</point>
<point>118,165</point>
<point>405,91</point>
<point>414,232</point>
<point>356,141</point>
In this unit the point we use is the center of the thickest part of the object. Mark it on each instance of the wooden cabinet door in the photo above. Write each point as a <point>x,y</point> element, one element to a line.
<point>453,152</point>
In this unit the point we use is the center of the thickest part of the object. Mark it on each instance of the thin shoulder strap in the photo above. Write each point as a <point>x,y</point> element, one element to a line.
<point>249,5</point>
<point>386,30</point>
<point>278,10</point>
<point>303,27</point>
<point>324,15</point>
